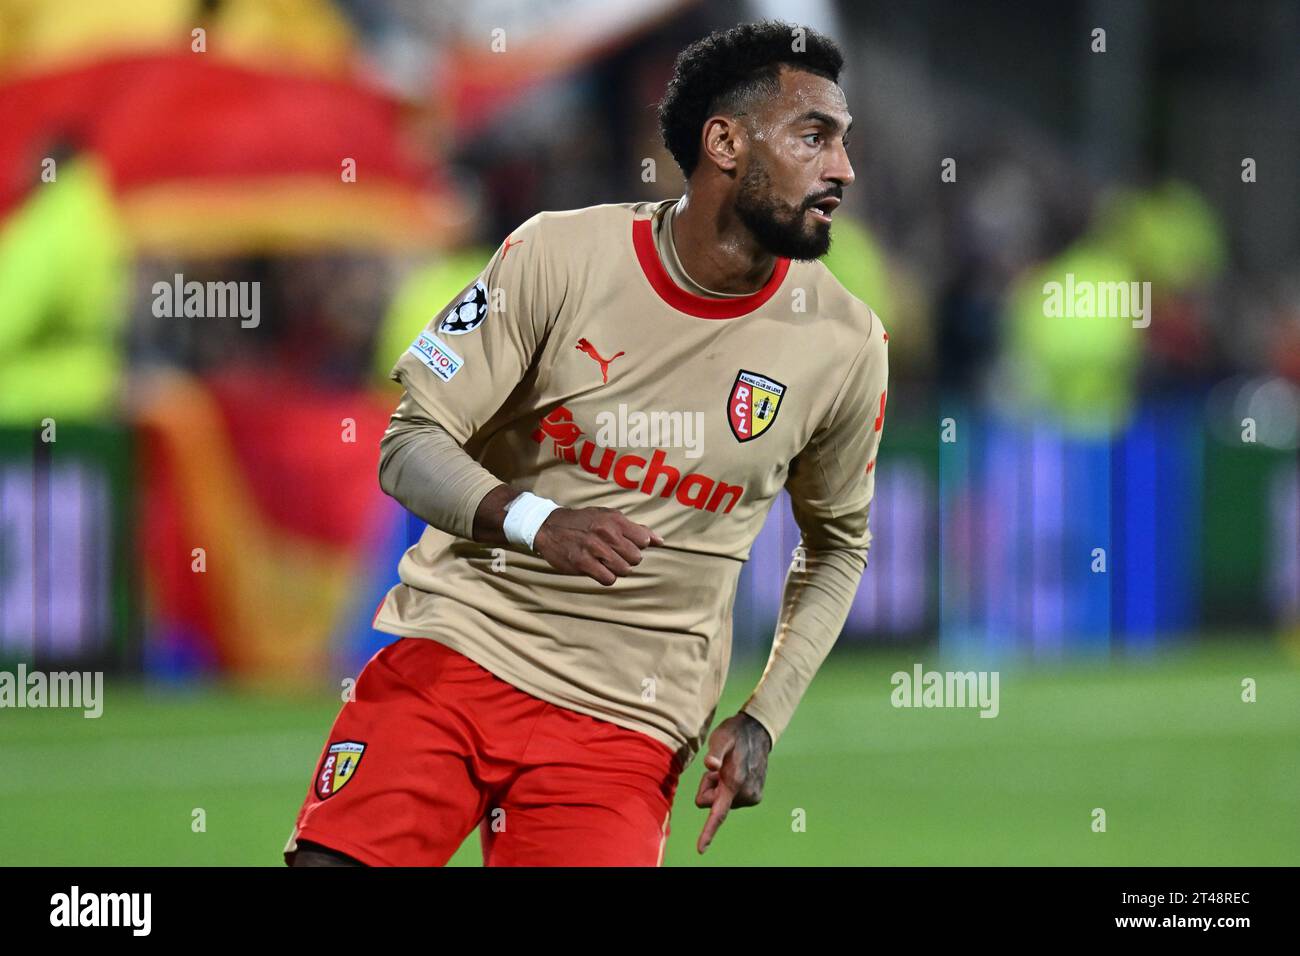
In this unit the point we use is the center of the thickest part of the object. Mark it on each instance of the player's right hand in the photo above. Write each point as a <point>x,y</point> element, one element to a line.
<point>597,542</point>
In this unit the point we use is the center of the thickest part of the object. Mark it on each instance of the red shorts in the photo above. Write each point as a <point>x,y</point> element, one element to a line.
<point>434,745</point>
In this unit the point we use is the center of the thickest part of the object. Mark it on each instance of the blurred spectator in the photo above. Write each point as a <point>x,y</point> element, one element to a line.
<point>63,276</point>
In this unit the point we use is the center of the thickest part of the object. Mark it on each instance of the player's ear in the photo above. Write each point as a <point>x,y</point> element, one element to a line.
<point>723,142</point>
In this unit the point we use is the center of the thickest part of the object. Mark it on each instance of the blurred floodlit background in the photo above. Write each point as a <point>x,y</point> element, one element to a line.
<point>1108,511</point>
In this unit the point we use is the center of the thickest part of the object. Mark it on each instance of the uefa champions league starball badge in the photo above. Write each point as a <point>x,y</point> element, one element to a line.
<point>467,314</point>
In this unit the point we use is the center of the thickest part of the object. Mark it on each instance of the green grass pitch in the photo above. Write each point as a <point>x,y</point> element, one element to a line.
<point>1187,773</point>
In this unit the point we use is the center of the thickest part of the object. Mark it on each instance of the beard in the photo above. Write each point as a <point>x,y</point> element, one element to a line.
<point>780,228</point>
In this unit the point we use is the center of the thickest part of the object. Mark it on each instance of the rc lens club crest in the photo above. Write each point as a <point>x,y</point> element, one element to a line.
<point>338,767</point>
<point>753,404</point>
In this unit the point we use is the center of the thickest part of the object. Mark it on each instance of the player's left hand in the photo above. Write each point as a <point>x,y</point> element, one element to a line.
<point>734,770</point>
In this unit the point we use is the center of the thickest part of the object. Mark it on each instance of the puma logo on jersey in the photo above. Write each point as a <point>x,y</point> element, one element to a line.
<point>589,350</point>
<point>505,251</point>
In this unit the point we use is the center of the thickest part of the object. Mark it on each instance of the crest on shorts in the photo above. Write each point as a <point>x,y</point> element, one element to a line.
<point>338,767</point>
<point>753,404</point>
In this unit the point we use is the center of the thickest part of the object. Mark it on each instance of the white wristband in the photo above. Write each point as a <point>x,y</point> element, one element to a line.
<point>524,515</point>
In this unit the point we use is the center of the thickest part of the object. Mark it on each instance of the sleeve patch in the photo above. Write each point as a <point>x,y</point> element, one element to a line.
<point>433,352</point>
<point>467,314</point>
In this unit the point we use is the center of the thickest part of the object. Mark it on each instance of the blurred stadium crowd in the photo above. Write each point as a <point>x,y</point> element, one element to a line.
<point>210,500</point>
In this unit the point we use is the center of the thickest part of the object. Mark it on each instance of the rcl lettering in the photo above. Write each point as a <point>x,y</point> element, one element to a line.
<point>739,406</point>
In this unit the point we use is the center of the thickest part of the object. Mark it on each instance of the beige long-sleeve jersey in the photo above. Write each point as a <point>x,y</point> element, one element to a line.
<point>577,367</point>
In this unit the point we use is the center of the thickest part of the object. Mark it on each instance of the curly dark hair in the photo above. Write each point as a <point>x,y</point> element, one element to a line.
<point>725,70</point>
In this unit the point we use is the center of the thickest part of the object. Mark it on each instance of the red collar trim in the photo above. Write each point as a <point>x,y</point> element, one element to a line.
<point>700,306</point>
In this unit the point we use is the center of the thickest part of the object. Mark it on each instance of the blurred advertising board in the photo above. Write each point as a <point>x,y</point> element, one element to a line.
<point>65,561</point>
